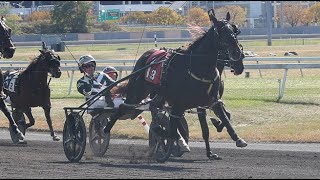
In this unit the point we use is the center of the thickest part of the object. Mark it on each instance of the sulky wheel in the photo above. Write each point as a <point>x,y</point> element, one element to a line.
<point>184,131</point>
<point>159,145</point>
<point>74,137</point>
<point>99,141</point>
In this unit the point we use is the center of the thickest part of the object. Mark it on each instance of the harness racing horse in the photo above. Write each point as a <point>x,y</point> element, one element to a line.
<point>29,88</point>
<point>223,61</point>
<point>237,68</point>
<point>190,80</point>
<point>7,51</point>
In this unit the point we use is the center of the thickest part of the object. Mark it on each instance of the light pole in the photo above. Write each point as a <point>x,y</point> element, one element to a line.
<point>269,21</point>
<point>129,15</point>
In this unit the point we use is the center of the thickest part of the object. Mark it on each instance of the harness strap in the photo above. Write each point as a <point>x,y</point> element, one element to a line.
<point>49,81</point>
<point>205,80</point>
<point>216,102</point>
<point>175,116</point>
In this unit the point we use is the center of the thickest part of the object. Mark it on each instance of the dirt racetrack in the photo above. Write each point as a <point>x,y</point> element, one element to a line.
<point>42,158</point>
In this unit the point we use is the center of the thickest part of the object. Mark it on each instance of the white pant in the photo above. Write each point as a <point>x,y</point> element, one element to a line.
<point>100,103</point>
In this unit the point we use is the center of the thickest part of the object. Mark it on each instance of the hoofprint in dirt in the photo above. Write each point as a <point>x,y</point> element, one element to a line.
<point>41,158</point>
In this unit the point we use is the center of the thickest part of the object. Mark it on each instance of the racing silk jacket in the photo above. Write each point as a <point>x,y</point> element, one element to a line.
<point>90,86</point>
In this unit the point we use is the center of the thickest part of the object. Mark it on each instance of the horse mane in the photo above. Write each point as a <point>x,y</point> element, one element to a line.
<point>197,34</point>
<point>31,64</point>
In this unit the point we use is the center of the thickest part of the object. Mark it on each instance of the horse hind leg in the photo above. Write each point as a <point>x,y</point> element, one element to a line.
<point>47,110</point>
<point>205,133</point>
<point>220,112</point>
<point>30,117</point>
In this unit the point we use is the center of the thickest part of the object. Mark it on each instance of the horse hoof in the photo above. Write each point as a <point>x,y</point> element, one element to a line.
<point>241,143</point>
<point>21,141</point>
<point>55,138</point>
<point>18,137</point>
<point>184,147</point>
<point>214,157</point>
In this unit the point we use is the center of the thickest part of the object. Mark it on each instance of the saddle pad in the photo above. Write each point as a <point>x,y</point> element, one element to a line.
<point>153,73</point>
<point>10,82</point>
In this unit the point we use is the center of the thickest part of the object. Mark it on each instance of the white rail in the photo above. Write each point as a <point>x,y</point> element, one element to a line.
<point>284,63</point>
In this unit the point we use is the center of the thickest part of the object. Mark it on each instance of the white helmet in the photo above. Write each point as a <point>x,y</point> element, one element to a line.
<point>84,60</point>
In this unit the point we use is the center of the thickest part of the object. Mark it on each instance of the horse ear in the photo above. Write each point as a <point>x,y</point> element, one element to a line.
<point>42,51</point>
<point>228,16</point>
<point>212,16</point>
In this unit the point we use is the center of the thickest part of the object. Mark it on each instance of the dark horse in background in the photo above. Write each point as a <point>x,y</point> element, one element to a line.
<point>7,50</point>
<point>29,88</point>
<point>191,79</point>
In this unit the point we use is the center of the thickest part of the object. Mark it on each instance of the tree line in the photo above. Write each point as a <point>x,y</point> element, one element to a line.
<point>77,17</point>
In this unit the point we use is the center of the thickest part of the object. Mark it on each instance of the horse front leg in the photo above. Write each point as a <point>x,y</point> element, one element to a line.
<point>174,134</point>
<point>47,110</point>
<point>18,135</point>
<point>222,114</point>
<point>205,132</point>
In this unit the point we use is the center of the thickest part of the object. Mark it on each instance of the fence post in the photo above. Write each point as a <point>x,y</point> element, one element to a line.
<point>282,84</point>
<point>65,64</point>
<point>300,70</point>
<point>155,40</point>
<point>71,79</point>
<point>259,70</point>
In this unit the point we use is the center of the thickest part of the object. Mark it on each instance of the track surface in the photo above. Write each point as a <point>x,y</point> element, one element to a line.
<point>43,158</point>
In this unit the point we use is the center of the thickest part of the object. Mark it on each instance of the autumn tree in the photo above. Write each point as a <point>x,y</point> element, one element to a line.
<point>315,12</point>
<point>237,14</point>
<point>12,20</point>
<point>72,16</point>
<point>197,16</point>
<point>39,16</point>
<point>307,17</point>
<point>292,14</point>
<point>166,16</point>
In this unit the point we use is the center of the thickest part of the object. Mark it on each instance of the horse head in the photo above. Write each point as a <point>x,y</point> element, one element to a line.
<point>236,67</point>
<point>7,48</point>
<point>227,35</point>
<point>51,62</point>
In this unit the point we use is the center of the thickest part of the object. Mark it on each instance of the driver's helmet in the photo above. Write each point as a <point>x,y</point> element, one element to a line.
<point>111,71</point>
<point>86,59</point>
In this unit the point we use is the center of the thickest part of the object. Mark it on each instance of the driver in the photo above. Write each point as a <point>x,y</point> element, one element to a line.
<point>94,82</point>
<point>113,73</point>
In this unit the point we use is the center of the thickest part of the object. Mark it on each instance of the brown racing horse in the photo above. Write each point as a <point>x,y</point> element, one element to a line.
<point>29,88</point>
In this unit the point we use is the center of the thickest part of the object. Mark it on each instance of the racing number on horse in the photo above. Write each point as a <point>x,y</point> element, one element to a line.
<point>153,74</point>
